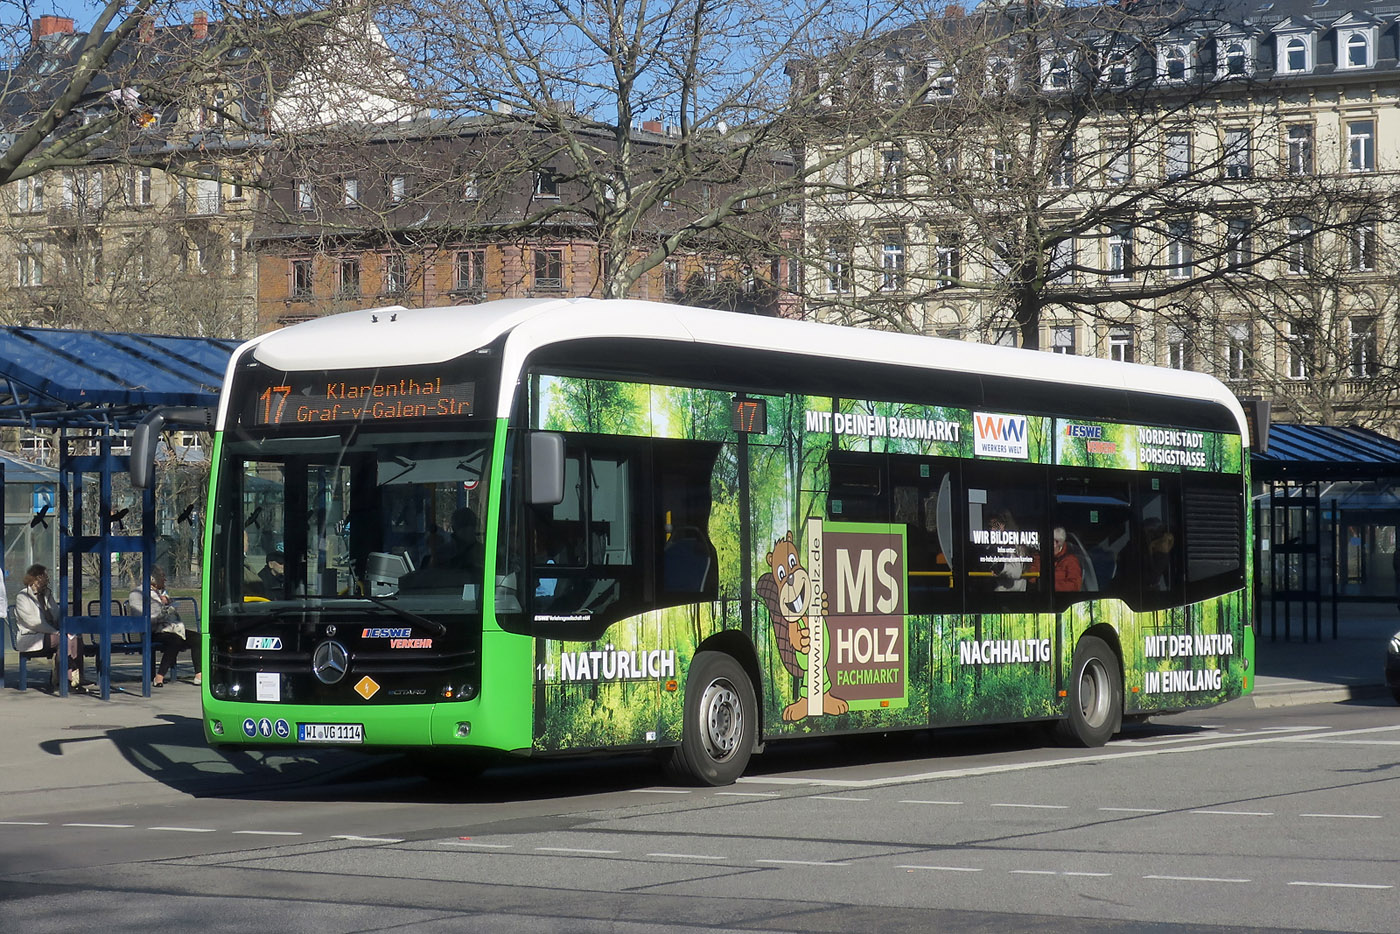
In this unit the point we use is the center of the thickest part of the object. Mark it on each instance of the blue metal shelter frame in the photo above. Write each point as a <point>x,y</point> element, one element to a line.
<point>89,385</point>
<point>1291,474</point>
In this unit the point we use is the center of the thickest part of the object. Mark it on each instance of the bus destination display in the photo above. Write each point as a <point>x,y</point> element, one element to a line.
<point>310,400</point>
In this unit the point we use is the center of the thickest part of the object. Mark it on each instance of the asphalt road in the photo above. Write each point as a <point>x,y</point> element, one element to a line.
<point>1234,818</point>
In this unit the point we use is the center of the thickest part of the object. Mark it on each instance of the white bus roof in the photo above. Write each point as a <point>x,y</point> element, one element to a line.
<point>397,336</point>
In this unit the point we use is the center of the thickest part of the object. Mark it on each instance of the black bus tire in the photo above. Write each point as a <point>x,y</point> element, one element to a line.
<point>719,724</point>
<point>1095,702</point>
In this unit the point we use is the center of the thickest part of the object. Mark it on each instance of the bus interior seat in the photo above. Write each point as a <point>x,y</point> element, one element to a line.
<point>1076,548</point>
<point>687,562</point>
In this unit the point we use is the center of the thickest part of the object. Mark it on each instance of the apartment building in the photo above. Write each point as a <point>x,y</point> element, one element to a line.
<point>1204,187</point>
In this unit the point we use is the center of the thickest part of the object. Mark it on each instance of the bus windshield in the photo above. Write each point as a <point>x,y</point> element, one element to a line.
<point>387,519</point>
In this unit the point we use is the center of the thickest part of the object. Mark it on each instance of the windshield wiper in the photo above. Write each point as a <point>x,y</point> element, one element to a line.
<point>432,624</point>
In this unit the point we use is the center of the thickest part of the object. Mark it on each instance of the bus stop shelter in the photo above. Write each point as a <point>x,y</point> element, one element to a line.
<point>1327,508</point>
<point>89,386</point>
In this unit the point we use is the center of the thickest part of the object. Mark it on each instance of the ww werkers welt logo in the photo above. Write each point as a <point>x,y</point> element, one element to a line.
<point>1001,435</point>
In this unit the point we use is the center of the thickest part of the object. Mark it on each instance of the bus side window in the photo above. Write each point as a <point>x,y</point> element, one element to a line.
<point>1007,549</point>
<point>1095,513</point>
<point>923,500</point>
<point>859,487</point>
<point>1159,540</point>
<point>688,565</point>
<point>1214,531</point>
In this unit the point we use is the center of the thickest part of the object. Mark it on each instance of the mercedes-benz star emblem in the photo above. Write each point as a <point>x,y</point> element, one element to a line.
<point>329,662</point>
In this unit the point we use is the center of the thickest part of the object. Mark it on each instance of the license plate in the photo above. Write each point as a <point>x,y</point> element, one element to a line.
<point>330,733</point>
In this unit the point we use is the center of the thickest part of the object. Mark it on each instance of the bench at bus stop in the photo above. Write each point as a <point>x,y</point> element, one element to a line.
<point>126,638</point>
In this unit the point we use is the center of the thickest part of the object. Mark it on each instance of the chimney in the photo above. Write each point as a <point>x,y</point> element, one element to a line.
<point>953,11</point>
<point>651,126</point>
<point>52,26</point>
<point>201,26</point>
<point>146,32</point>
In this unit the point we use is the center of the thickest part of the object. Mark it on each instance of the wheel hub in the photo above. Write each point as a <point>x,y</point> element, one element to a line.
<point>722,719</point>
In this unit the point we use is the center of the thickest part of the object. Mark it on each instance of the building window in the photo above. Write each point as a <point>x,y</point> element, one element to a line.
<point>1178,348</point>
<point>1361,145</point>
<point>398,188</point>
<point>838,265</point>
<point>1001,165</point>
<point>470,190</point>
<point>1120,252</point>
<point>1300,245</point>
<point>1179,251</point>
<point>948,258</point>
<point>1056,73</point>
<point>1062,171</point>
<point>1235,59</point>
<point>1237,355</point>
<point>1300,149</point>
<point>301,278</point>
<point>395,274</point>
<point>1174,63</point>
<point>1117,160</point>
<point>1363,245</point>
<point>1064,256</point>
<point>304,198</point>
<point>207,196</point>
<point>30,194</point>
<point>30,264</point>
<point>942,81</point>
<point>1117,68</point>
<point>892,264</point>
<point>546,182</point>
<point>1358,51</point>
<point>347,284</point>
<point>138,186</point>
<point>549,270</point>
<point>671,278</point>
<point>1238,153</point>
<point>235,254</point>
<point>1297,56</point>
<point>469,271</point>
<point>1120,343</point>
<point>889,82</point>
<point>1239,248</point>
<point>1362,361</point>
<point>1062,339</point>
<point>892,173</point>
<point>1178,155</point>
<point>1299,341</point>
<point>350,191</point>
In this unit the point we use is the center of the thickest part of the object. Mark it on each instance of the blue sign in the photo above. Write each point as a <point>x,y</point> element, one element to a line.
<point>250,727</point>
<point>43,496</point>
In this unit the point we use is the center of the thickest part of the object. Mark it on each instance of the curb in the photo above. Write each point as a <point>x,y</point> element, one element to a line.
<point>1329,694</point>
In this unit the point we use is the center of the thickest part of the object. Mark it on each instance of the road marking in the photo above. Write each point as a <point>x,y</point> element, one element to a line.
<point>659,791</point>
<point>1234,813</point>
<point>799,862</point>
<point>747,794</point>
<point>1346,816</point>
<point>943,868</point>
<point>271,833</point>
<point>1135,810</point>
<point>354,839</point>
<point>184,829</point>
<point>1342,885</point>
<point>103,826</point>
<point>1045,807</point>
<point>1095,875</point>
<point>570,849</point>
<point>24,823</point>
<point>1202,734</point>
<point>1194,879</point>
<point>479,846</point>
<point>918,801</point>
<point>1116,751</point>
<point>836,798</point>
<point>1034,872</point>
<point>685,856</point>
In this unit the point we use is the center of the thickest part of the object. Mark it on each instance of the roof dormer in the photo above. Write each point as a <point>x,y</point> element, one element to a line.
<point>1295,46</point>
<point>1176,59</point>
<point>1358,37</point>
<point>1235,54</point>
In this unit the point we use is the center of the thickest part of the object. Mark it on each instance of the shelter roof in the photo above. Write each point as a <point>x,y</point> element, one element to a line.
<point>51,377</point>
<point>1326,452</point>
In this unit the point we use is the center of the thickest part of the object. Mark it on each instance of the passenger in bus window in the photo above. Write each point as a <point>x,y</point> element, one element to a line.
<point>464,551</point>
<point>1069,575</point>
<point>1160,560</point>
<point>1009,562</point>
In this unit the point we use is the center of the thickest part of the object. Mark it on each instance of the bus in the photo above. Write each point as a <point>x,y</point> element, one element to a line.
<point>544,527</point>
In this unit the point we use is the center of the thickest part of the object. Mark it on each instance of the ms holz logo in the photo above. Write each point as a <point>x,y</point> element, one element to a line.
<point>1001,435</point>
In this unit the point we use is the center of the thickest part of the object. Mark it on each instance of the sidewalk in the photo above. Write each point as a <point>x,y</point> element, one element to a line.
<point>1327,670</point>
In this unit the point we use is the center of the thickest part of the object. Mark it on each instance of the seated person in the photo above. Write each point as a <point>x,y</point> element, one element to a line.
<point>167,631</point>
<point>464,550</point>
<point>37,632</point>
<point>1069,576</point>
<point>273,575</point>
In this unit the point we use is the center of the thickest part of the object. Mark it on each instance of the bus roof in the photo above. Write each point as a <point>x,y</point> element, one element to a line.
<point>397,336</point>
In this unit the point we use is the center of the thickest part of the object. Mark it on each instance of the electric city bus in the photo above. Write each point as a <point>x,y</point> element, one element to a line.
<point>560,526</point>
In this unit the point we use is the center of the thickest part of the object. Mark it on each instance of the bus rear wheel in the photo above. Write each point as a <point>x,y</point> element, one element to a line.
<point>1095,695</point>
<point>720,720</point>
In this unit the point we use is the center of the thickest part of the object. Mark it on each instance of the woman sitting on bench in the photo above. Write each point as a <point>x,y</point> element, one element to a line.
<point>37,619</point>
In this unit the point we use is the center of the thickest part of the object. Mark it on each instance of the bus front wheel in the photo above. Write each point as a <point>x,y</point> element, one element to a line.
<point>720,719</point>
<point>1095,695</point>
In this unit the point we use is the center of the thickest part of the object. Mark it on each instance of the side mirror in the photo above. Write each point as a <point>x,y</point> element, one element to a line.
<point>147,434</point>
<point>545,485</point>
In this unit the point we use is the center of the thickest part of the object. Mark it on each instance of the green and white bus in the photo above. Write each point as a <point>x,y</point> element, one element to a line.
<point>557,526</point>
